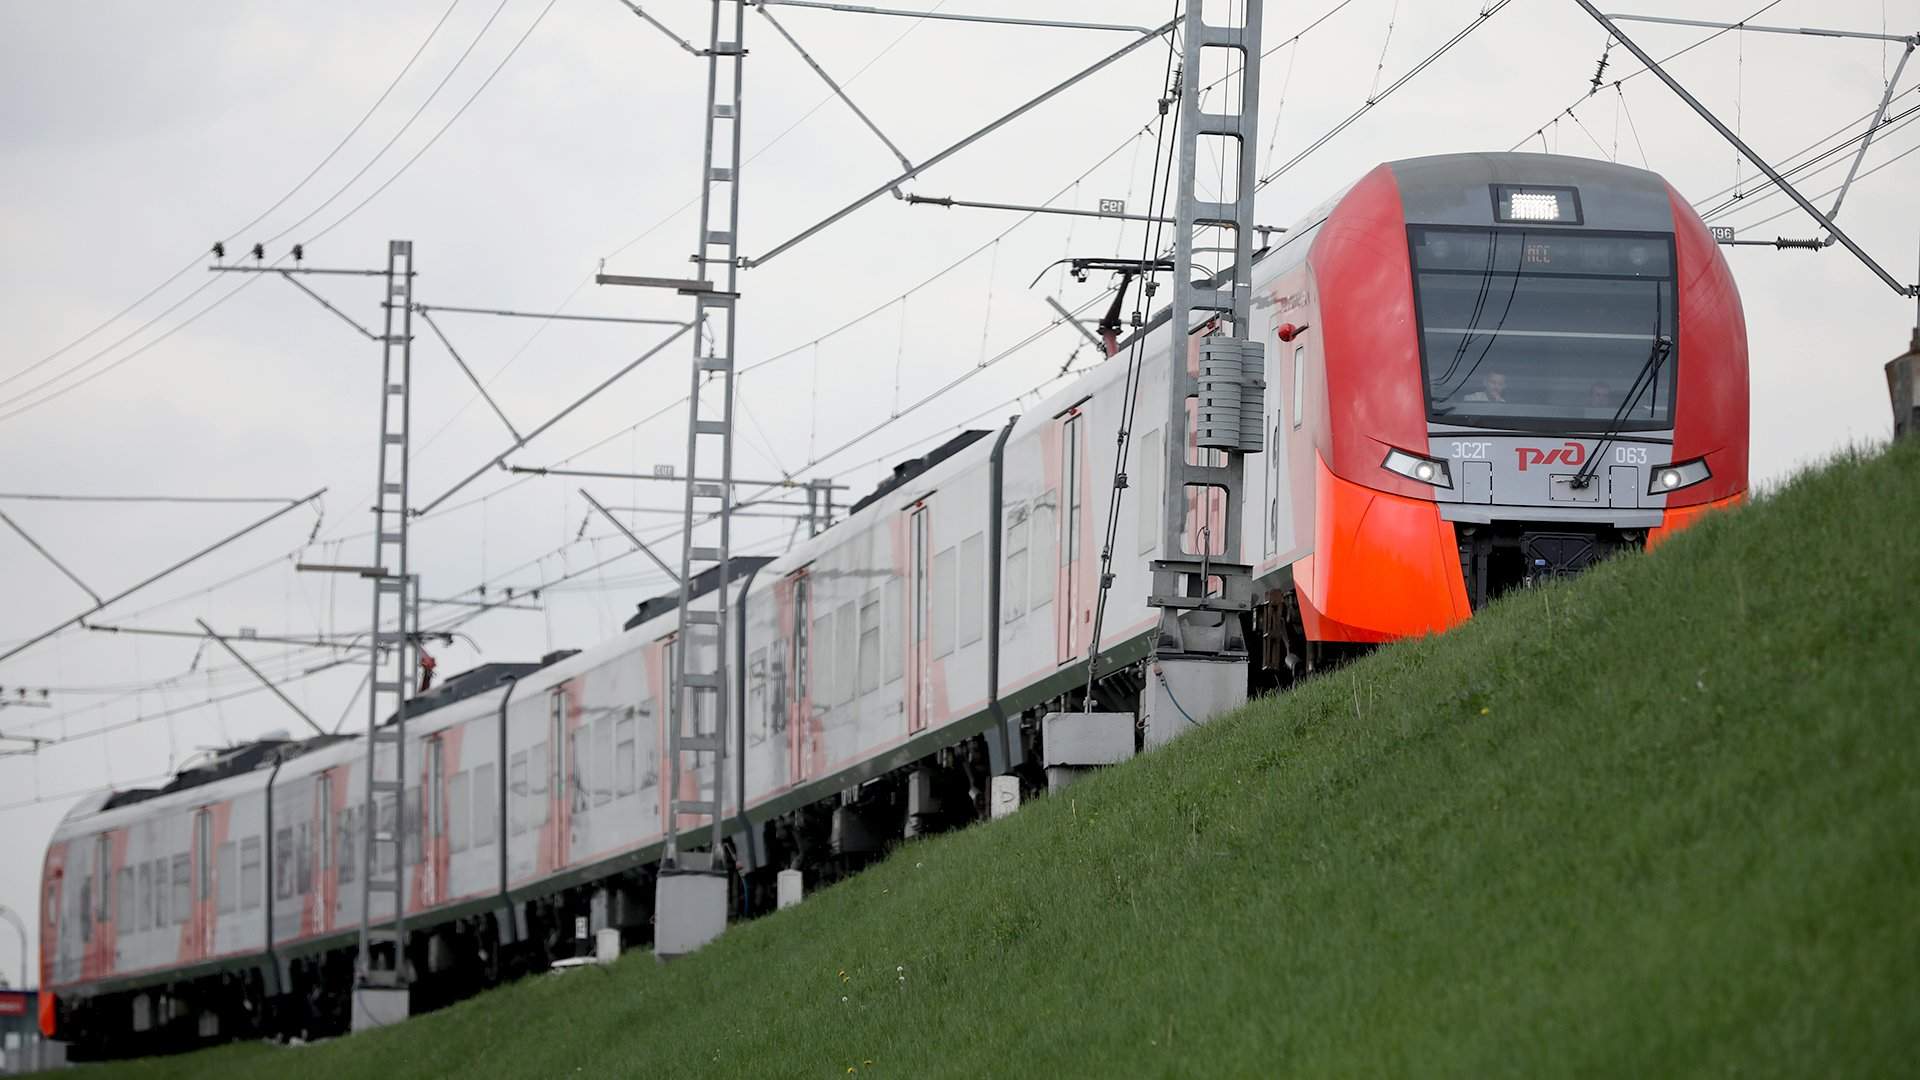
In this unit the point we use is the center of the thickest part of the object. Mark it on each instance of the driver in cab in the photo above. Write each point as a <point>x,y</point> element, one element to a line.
<point>1492,388</point>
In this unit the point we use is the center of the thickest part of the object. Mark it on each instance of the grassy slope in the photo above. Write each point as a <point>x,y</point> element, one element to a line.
<point>1657,820</point>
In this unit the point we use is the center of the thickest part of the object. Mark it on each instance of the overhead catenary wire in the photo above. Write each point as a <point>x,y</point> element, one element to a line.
<point>1130,390</point>
<point>670,217</point>
<point>820,458</point>
<point>1621,97</point>
<point>812,343</point>
<point>1379,68</point>
<point>878,309</point>
<point>1540,132</point>
<point>457,114</point>
<point>1793,166</point>
<point>1901,156</point>
<point>258,218</point>
<point>1487,12</point>
<point>116,364</point>
<point>452,508</point>
<point>414,118</point>
<point>273,500</point>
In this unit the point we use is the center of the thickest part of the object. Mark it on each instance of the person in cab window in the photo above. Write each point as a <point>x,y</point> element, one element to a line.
<point>1600,396</point>
<point>1492,388</point>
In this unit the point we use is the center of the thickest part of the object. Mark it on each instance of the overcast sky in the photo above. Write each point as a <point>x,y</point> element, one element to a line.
<point>133,135</point>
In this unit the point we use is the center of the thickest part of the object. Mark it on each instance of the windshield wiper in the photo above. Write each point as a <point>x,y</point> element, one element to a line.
<point>1649,375</point>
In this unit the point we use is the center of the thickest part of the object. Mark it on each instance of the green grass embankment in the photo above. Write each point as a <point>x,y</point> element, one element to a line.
<point>1658,820</point>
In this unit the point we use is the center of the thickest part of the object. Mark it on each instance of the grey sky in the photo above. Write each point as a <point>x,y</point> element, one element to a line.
<point>132,135</point>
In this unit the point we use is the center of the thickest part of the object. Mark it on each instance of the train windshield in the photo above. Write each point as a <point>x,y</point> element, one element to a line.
<point>1545,328</point>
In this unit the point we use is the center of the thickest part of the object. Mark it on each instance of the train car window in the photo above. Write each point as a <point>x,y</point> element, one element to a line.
<point>388,825</point>
<point>1045,543</point>
<point>161,891</point>
<point>486,817</point>
<point>579,741</point>
<point>1144,474</point>
<point>517,793</point>
<point>345,845</point>
<point>944,593</point>
<point>892,609</point>
<point>250,873</point>
<point>435,806</point>
<point>412,823</point>
<point>227,876</point>
<point>757,709</point>
<point>303,858</point>
<point>103,876</point>
<point>123,899</point>
<point>820,652</point>
<point>459,812</point>
<point>870,641</point>
<point>203,853</point>
<point>1299,384</point>
<point>86,908</point>
<point>182,888</point>
<point>846,646</point>
<point>603,761</point>
<point>970,607</point>
<point>146,896</point>
<point>283,863</point>
<point>626,762</point>
<point>1530,328</point>
<point>537,785</point>
<point>323,822</point>
<point>1013,578</point>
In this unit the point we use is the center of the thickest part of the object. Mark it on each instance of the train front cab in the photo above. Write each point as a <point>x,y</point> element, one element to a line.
<point>1529,362</point>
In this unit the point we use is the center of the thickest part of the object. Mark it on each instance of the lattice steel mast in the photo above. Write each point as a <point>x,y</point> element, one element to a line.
<point>1200,584</point>
<point>383,929</point>
<point>691,902</point>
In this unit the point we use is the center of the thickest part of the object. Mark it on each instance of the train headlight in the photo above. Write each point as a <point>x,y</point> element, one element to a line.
<point>1414,467</point>
<point>1670,478</point>
<point>1521,204</point>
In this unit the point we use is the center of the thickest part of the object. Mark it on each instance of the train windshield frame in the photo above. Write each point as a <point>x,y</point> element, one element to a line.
<point>1536,328</point>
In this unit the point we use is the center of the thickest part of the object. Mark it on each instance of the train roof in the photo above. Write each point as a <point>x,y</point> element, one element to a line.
<point>1454,189</point>
<point>703,583</point>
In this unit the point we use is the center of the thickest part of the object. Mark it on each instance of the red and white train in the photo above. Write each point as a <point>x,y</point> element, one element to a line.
<point>1484,369</point>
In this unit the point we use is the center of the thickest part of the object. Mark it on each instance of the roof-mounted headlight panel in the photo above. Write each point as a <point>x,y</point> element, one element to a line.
<point>1536,204</point>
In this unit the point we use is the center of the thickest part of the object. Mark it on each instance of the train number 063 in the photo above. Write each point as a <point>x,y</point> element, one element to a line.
<point>1630,455</point>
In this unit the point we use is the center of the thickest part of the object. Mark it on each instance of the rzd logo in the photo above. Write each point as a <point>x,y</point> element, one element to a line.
<point>1572,453</point>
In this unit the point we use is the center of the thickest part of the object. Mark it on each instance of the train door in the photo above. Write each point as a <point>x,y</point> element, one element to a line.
<point>203,906</point>
<point>920,619</point>
<point>94,897</point>
<point>672,720</point>
<point>558,804</point>
<point>327,884</point>
<point>1071,629</point>
<point>56,946</point>
<point>431,890</point>
<point>800,705</point>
